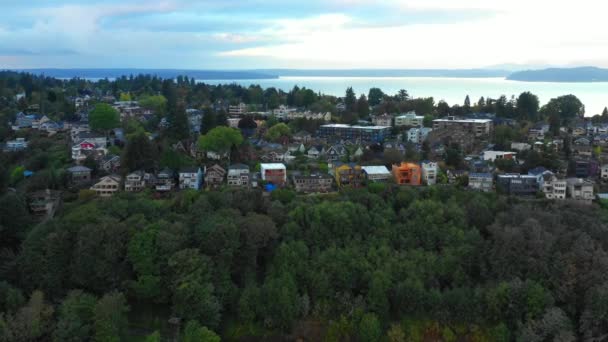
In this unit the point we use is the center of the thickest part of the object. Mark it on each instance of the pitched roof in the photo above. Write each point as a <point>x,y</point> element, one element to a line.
<point>79,168</point>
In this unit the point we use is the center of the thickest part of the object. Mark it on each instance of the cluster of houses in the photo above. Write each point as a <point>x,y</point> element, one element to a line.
<point>270,176</point>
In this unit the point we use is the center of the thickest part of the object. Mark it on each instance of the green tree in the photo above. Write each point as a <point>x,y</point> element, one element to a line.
<point>350,100</point>
<point>153,337</point>
<point>194,332</point>
<point>369,329</point>
<point>139,153</point>
<point>33,322</point>
<point>220,139</point>
<point>209,120</point>
<point>375,96</point>
<point>467,104</point>
<point>363,106</point>
<point>179,127</point>
<point>76,313</point>
<point>110,318</point>
<point>104,118</point>
<point>277,131</point>
<point>402,95</point>
<point>527,106</point>
<point>156,103</point>
<point>565,108</point>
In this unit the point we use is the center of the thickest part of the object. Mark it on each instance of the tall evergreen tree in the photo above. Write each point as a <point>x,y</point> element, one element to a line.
<point>350,100</point>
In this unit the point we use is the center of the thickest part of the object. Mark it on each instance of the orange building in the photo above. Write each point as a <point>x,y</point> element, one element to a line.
<point>407,174</point>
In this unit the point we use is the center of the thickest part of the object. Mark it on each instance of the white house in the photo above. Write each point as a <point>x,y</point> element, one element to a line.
<point>376,173</point>
<point>581,189</point>
<point>429,172</point>
<point>554,188</point>
<point>604,173</point>
<point>190,178</point>
<point>107,186</point>
<point>481,181</point>
<point>493,155</point>
<point>238,175</point>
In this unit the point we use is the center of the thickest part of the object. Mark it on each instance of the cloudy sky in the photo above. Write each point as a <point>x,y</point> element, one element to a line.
<point>246,34</point>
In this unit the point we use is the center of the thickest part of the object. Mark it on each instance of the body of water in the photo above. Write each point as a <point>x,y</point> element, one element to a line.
<point>452,90</point>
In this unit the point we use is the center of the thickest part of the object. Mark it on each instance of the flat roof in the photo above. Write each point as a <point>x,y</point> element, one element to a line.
<point>272,166</point>
<point>464,120</point>
<point>376,169</point>
<point>356,127</point>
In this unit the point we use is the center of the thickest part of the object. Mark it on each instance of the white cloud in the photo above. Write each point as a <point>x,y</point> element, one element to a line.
<point>521,31</point>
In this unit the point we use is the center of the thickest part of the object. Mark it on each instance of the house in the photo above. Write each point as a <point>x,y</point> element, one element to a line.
<point>455,175</point>
<point>107,186</point>
<point>336,153</point>
<point>538,132</point>
<point>407,174</point>
<point>347,174</point>
<point>553,187</point>
<point>376,174</point>
<point>24,121</point>
<point>110,163</point>
<point>164,180</point>
<point>539,173</point>
<point>283,111</point>
<point>520,146</point>
<point>586,168</point>
<point>314,152</point>
<point>356,152</point>
<point>296,148</point>
<point>382,120</point>
<point>429,172</point>
<point>581,189</point>
<point>214,176</point>
<point>79,150</point>
<point>135,181</point>
<point>93,138</point>
<point>18,144</point>
<point>78,129</point>
<point>302,137</point>
<point>604,173</point>
<point>190,178</point>
<point>516,184</point>
<point>238,175</point>
<point>313,183</point>
<point>44,203</point>
<point>195,118</point>
<point>79,174</point>
<point>274,173</point>
<point>481,182</point>
<point>494,155</point>
<point>409,119</point>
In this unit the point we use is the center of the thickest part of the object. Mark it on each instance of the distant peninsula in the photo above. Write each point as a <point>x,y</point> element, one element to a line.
<point>582,74</point>
<point>163,73</point>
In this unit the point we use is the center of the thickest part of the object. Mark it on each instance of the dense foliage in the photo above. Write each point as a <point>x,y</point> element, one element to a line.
<point>422,263</point>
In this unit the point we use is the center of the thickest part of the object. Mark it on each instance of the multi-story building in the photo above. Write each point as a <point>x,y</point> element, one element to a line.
<point>283,112</point>
<point>79,174</point>
<point>554,188</point>
<point>275,173</point>
<point>347,174</point>
<point>604,173</point>
<point>429,172</point>
<point>586,168</point>
<point>581,189</point>
<point>477,127</point>
<point>481,181</point>
<point>376,173</point>
<point>354,133</point>
<point>409,119</point>
<point>382,120</point>
<point>237,110</point>
<point>418,135</point>
<point>516,184</point>
<point>135,181</point>
<point>18,144</point>
<point>238,175</point>
<point>190,178</point>
<point>214,176</point>
<point>407,174</point>
<point>107,186</point>
<point>313,183</point>
<point>164,180</point>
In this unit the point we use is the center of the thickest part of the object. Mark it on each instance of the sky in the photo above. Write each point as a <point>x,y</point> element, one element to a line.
<point>253,34</point>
